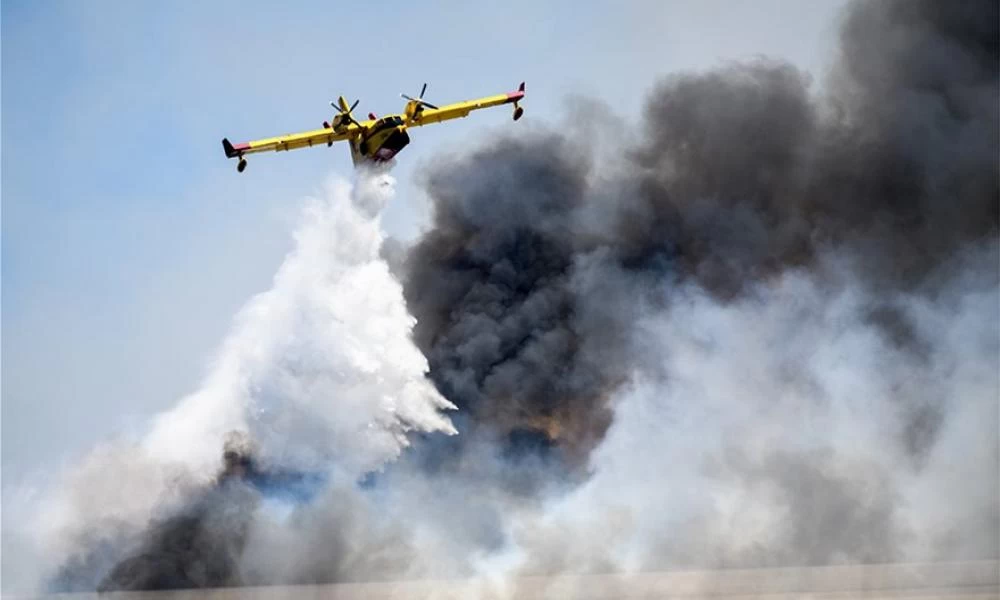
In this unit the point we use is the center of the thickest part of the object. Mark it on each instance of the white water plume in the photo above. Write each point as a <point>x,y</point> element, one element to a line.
<point>319,370</point>
<point>320,367</point>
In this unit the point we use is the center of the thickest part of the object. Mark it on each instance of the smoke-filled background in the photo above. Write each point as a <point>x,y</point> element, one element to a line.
<point>761,327</point>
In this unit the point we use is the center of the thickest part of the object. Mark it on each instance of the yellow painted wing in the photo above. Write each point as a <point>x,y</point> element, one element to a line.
<point>292,141</point>
<point>462,109</point>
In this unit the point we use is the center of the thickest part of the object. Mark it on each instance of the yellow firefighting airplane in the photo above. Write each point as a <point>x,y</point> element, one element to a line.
<point>376,140</point>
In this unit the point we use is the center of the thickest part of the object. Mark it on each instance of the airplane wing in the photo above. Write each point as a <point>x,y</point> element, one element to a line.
<point>462,109</point>
<point>291,141</point>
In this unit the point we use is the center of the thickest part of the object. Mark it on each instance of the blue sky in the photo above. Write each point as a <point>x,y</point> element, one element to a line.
<point>129,241</point>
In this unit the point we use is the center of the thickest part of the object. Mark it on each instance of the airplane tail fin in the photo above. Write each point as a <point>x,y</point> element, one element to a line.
<point>228,147</point>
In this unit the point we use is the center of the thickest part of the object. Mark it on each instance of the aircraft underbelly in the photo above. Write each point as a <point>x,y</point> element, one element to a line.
<point>395,142</point>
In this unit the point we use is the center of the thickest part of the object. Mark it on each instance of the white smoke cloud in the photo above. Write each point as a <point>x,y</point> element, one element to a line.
<point>777,431</point>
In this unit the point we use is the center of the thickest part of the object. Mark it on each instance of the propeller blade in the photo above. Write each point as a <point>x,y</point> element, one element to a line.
<point>353,106</point>
<point>420,101</point>
<point>422,90</point>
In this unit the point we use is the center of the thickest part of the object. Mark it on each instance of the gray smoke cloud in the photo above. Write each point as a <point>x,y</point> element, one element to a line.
<point>547,262</point>
<point>762,331</point>
<point>741,174</point>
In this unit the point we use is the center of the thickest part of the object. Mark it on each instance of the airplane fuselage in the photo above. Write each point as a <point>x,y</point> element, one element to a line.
<point>382,141</point>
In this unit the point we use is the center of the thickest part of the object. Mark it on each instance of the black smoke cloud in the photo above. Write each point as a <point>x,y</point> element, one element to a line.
<point>197,546</point>
<point>742,173</point>
<point>492,288</point>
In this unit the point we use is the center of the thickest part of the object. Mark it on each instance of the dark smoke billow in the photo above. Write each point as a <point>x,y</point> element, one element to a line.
<point>764,334</point>
<point>202,543</point>
<point>496,301</point>
<point>741,175</point>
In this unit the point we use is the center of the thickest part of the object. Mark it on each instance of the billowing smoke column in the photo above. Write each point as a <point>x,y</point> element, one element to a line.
<point>493,287</point>
<point>765,334</point>
<point>787,301</point>
<point>525,284</point>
